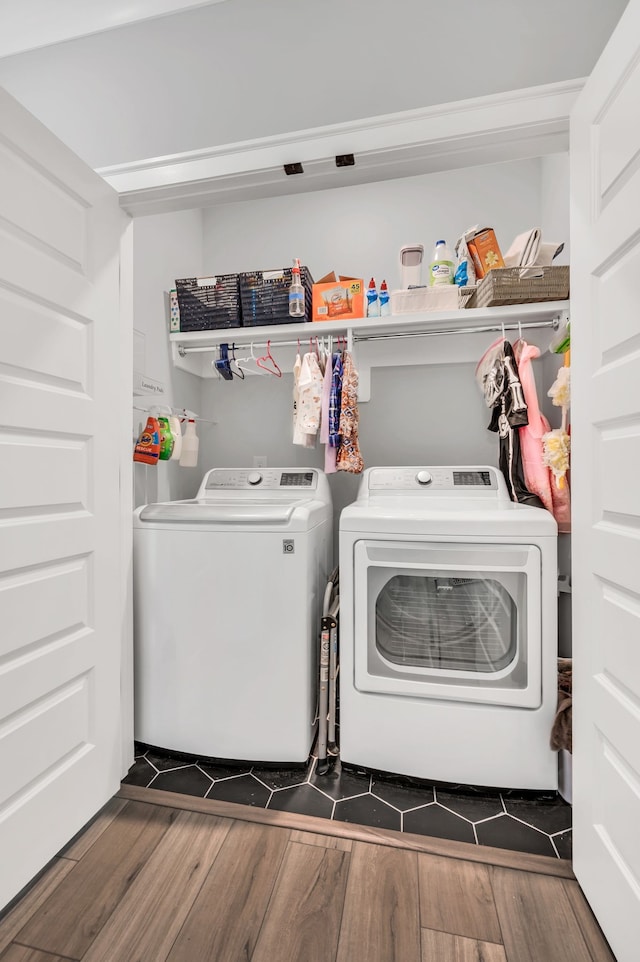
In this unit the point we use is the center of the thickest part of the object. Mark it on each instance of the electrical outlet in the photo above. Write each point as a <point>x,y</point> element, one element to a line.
<point>259,460</point>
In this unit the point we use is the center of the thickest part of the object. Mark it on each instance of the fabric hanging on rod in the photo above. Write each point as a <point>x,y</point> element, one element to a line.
<point>497,376</point>
<point>537,475</point>
<point>335,401</point>
<point>309,399</point>
<point>298,437</point>
<point>329,452</point>
<point>349,457</point>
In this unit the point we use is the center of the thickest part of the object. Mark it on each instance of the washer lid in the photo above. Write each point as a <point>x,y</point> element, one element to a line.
<point>209,511</point>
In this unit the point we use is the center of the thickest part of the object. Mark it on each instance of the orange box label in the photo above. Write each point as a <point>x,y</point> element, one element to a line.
<point>341,299</point>
<point>485,251</point>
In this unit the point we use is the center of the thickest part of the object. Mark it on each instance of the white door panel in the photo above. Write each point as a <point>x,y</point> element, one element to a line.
<point>61,532</point>
<point>605,242</point>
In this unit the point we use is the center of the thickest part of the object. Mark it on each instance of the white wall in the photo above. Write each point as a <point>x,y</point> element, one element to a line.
<point>165,247</point>
<point>423,414</point>
<point>251,68</point>
<point>554,218</point>
<point>359,230</point>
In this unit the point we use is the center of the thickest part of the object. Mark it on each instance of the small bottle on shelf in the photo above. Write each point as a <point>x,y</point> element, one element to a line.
<point>296,291</point>
<point>373,304</point>
<point>385,306</point>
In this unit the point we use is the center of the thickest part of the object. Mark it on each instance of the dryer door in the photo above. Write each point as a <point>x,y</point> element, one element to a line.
<point>449,620</point>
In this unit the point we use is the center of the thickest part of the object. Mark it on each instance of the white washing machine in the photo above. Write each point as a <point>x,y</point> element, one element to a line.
<point>448,629</point>
<point>228,596</point>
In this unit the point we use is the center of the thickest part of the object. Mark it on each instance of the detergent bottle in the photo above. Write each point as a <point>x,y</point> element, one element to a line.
<point>442,268</point>
<point>166,439</point>
<point>147,449</point>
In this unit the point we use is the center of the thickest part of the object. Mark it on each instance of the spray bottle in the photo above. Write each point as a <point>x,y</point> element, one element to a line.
<point>296,291</point>
<point>190,443</point>
<point>176,430</point>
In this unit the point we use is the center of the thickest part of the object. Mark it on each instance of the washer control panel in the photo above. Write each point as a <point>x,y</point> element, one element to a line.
<point>437,479</point>
<point>270,479</point>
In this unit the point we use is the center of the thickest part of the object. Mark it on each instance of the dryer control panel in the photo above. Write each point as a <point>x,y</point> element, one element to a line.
<point>470,481</point>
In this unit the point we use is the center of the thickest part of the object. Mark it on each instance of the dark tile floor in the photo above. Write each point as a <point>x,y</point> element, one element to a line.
<point>539,823</point>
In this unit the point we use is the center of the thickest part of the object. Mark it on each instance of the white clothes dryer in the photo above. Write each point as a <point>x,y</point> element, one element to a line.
<point>448,629</point>
<point>228,592</point>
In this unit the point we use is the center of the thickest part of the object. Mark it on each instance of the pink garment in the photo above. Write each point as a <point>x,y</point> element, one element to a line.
<point>538,477</point>
<point>329,452</point>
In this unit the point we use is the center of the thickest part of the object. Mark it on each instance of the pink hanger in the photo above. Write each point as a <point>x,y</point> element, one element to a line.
<point>270,360</point>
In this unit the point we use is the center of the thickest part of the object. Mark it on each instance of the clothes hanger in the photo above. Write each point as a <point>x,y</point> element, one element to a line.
<point>238,372</point>
<point>222,364</point>
<point>249,364</point>
<point>268,359</point>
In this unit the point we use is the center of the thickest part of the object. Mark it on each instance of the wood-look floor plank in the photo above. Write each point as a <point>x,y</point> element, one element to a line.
<point>536,918</point>
<point>591,931</point>
<point>147,920</point>
<point>303,919</point>
<point>86,838</point>
<point>380,922</point>
<point>16,918</point>
<point>456,897</point>
<point>22,953</point>
<point>443,947</point>
<point>68,922</point>
<point>325,841</point>
<point>485,854</point>
<point>225,918</point>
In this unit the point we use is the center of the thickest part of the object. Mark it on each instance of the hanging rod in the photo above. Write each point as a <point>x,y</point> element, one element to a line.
<point>180,413</point>
<point>487,329</point>
<point>492,328</point>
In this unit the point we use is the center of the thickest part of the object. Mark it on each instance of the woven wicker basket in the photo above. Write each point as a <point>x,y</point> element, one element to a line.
<point>515,285</point>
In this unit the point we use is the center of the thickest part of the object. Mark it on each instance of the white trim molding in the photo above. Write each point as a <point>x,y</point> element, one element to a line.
<point>519,123</point>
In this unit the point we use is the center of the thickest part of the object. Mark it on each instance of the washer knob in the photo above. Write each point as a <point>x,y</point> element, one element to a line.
<point>423,477</point>
<point>254,478</point>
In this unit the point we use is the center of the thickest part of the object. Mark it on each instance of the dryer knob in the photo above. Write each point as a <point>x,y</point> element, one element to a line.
<point>423,477</point>
<point>254,478</point>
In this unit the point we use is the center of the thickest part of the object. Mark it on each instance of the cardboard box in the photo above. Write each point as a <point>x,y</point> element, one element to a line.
<point>484,251</point>
<point>339,299</point>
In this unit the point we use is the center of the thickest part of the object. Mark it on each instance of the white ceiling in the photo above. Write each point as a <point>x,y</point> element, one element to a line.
<point>29,24</point>
<point>228,72</point>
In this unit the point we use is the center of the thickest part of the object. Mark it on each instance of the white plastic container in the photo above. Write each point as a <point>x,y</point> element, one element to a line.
<point>190,445</point>
<point>442,268</point>
<point>411,265</point>
<point>421,299</point>
<point>176,430</point>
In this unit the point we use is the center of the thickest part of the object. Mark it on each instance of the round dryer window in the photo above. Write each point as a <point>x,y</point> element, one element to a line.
<point>463,624</point>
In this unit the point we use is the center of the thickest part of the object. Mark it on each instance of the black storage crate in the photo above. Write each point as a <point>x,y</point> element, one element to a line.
<point>208,303</point>
<point>264,297</point>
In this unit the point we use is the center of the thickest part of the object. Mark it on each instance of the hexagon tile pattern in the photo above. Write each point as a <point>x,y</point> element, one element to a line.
<point>535,822</point>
